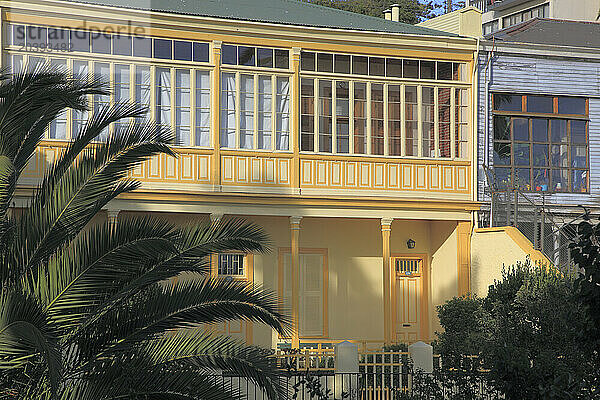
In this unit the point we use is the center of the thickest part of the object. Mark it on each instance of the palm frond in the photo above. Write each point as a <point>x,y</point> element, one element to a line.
<point>25,332</point>
<point>61,210</point>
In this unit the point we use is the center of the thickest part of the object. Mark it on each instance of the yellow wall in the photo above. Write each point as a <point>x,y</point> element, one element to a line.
<point>491,248</point>
<point>464,22</point>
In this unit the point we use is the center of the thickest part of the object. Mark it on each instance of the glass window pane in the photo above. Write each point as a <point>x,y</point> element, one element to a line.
<point>502,153</point>
<point>540,104</point>
<point>540,129</point>
<point>559,156</point>
<point>201,52</point>
<point>265,57</point>
<point>229,54</point>
<point>183,50</point>
<point>101,43</point>
<point>578,131</point>
<point>342,112</point>
<point>501,128</point>
<point>580,181</point>
<point>58,39</point>
<point>122,45</point>
<point>444,71</point>
<point>560,180</point>
<point>37,37</point>
<point>342,64</point>
<point>307,61</point>
<point>508,102</point>
<point>572,105</point>
<point>376,66</point>
<point>80,41</point>
<point>540,155</point>
<point>522,154</point>
<point>521,129</point>
<point>360,65</point>
<point>503,177</point>
<point>394,68</point>
<point>142,47</point>
<point>247,56</point>
<point>427,69</point>
<point>579,156</point>
<point>411,69</point>
<point>18,35</point>
<point>541,179</point>
<point>558,129</point>
<point>523,178</point>
<point>163,49</point>
<point>324,62</point>
<point>282,59</point>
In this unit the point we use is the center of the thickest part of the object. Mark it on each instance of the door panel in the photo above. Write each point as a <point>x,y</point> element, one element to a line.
<point>408,299</point>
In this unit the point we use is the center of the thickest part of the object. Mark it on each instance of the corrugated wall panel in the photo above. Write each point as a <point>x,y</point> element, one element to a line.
<point>526,74</point>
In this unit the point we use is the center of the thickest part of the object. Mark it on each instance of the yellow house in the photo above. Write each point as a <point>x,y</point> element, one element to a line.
<point>349,138</point>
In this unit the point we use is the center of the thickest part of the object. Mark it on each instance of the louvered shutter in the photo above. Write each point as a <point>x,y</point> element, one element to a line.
<point>311,295</point>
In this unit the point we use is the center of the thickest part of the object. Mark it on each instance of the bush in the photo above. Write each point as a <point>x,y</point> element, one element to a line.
<point>527,333</point>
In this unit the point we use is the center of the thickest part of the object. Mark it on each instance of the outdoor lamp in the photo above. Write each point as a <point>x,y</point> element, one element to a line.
<point>410,244</point>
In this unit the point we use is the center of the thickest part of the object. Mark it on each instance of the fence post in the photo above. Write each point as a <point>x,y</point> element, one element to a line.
<point>422,356</point>
<point>346,370</point>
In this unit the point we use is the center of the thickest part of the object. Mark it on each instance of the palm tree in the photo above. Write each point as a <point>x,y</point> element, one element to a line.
<point>99,310</point>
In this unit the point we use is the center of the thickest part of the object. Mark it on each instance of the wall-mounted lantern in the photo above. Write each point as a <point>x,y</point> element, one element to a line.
<point>410,244</point>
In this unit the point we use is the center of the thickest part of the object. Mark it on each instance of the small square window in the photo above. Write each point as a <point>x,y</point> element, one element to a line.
<point>282,59</point>
<point>508,102</point>
<point>394,68</point>
<point>229,54</point>
<point>80,41</point>
<point>342,64</point>
<point>183,50</point>
<point>376,66</point>
<point>231,265</point>
<point>540,104</point>
<point>307,61</point>
<point>37,36</point>
<point>122,45</point>
<point>18,35</point>
<point>444,71</point>
<point>360,65</point>
<point>572,105</point>
<point>247,56</point>
<point>101,43</point>
<point>411,69</point>
<point>427,69</point>
<point>201,52</point>
<point>142,47</point>
<point>265,58</point>
<point>163,49</point>
<point>324,62</point>
<point>58,39</point>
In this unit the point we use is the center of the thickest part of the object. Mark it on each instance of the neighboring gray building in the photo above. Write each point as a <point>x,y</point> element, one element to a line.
<point>502,14</point>
<point>539,127</point>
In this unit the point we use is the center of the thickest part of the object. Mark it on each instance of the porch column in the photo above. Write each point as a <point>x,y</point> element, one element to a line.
<point>464,257</point>
<point>386,231</point>
<point>295,232</point>
<point>113,217</point>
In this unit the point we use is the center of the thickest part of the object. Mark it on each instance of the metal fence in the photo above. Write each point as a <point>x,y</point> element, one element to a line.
<point>549,232</point>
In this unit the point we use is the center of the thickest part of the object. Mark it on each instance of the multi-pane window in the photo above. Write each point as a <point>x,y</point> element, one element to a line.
<point>202,109</point>
<point>58,127</point>
<point>461,121</point>
<point>282,113</point>
<point>428,124</point>
<point>143,87</point>
<point>444,104</point>
<point>383,67</point>
<point>37,38</point>
<point>231,265</point>
<point>360,118</point>
<point>122,87</point>
<point>307,114</point>
<point>541,11</point>
<point>163,96</point>
<point>394,120</point>
<point>342,116</point>
<point>255,56</point>
<point>541,142</point>
<point>182,107</point>
<point>81,70</point>
<point>250,118</point>
<point>325,115</point>
<point>377,120</point>
<point>412,120</point>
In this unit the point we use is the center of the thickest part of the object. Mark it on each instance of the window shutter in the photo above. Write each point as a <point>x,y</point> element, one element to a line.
<point>311,295</point>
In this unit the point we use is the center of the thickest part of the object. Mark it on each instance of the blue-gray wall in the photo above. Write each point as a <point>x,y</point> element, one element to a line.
<point>526,74</point>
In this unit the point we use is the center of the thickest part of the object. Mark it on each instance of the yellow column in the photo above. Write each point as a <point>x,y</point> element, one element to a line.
<point>216,123</point>
<point>295,231</point>
<point>295,128</point>
<point>463,231</point>
<point>113,217</point>
<point>386,231</point>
